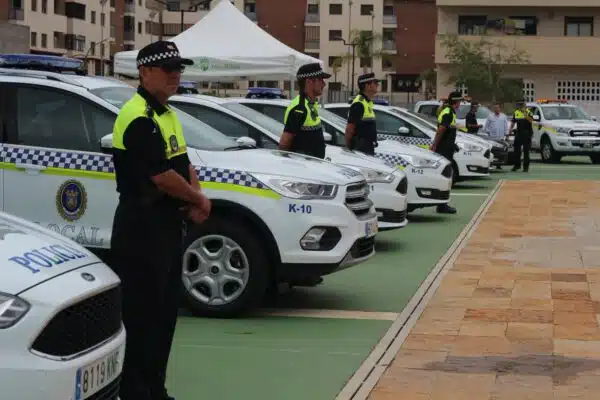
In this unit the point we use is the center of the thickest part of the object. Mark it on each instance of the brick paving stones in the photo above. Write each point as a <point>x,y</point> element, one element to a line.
<point>517,315</point>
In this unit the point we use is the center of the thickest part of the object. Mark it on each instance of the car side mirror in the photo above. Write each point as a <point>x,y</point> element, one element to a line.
<point>594,118</point>
<point>403,130</point>
<point>246,141</point>
<point>106,143</point>
<point>536,117</point>
<point>328,138</point>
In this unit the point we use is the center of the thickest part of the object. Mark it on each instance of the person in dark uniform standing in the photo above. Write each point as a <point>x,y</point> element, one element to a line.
<point>444,142</point>
<point>524,119</point>
<point>158,190</point>
<point>471,124</point>
<point>361,130</point>
<point>303,132</point>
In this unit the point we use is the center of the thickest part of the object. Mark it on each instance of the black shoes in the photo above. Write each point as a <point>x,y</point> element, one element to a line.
<point>446,209</point>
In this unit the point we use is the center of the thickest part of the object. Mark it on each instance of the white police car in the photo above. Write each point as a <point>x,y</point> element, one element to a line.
<point>429,175</point>
<point>471,161</point>
<point>388,183</point>
<point>296,218</point>
<point>61,334</point>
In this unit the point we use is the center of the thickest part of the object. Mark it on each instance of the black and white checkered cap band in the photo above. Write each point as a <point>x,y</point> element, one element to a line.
<point>368,79</point>
<point>310,74</point>
<point>158,57</point>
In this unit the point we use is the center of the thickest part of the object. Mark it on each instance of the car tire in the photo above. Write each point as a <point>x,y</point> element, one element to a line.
<point>254,269</point>
<point>549,155</point>
<point>455,173</point>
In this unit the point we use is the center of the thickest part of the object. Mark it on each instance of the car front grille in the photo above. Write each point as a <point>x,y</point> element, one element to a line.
<point>357,199</point>
<point>402,187</point>
<point>82,326</point>
<point>110,392</point>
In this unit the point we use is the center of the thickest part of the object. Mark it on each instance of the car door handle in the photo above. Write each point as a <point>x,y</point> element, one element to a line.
<point>31,168</point>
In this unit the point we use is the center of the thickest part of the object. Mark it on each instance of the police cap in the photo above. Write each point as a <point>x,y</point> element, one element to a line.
<point>367,78</point>
<point>455,96</point>
<point>311,71</point>
<point>161,53</point>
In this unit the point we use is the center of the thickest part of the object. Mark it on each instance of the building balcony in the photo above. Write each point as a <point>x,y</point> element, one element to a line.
<point>16,14</point>
<point>311,44</point>
<point>251,16</point>
<point>517,3</point>
<point>130,8</point>
<point>389,45</point>
<point>129,36</point>
<point>542,50</point>
<point>313,18</point>
<point>390,20</point>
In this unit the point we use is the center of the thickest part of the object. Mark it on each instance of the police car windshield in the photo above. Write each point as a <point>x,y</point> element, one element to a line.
<point>333,118</point>
<point>258,118</point>
<point>197,134</point>
<point>564,112</point>
<point>482,111</point>
<point>415,118</point>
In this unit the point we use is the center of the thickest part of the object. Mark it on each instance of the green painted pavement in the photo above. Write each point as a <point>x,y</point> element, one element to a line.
<point>268,358</point>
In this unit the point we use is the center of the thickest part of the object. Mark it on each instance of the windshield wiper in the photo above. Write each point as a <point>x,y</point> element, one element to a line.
<point>240,147</point>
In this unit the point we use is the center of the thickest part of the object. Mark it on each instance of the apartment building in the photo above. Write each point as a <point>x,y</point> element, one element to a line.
<point>560,38</point>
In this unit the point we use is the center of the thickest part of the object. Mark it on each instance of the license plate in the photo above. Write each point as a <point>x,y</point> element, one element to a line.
<point>588,144</point>
<point>370,228</point>
<point>95,376</point>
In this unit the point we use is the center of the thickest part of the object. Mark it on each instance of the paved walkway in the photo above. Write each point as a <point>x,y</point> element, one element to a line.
<point>517,315</point>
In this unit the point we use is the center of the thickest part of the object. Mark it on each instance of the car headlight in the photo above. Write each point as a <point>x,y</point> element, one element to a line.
<point>12,309</point>
<point>469,147</point>
<point>421,162</point>
<point>372,175</point>
<point>563,131</point>
<point>299,189</point>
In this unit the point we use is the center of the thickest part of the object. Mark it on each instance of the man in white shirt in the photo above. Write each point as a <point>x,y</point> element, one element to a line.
<point>496,125</point>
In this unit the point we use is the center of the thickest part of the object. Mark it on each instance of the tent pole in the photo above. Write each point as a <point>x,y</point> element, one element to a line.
<point>291,89</point>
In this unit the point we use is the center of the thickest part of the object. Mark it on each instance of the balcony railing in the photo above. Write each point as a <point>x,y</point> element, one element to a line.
<point>389,45</point>
<point>311,44</point>
<point>130,8</point>
<point>251,16</point>
<point>390,19</point>
<point>129,35</point>
<point>16,14</point>
<point>313,18</point>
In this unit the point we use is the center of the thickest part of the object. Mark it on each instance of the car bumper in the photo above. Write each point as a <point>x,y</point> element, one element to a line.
<point>577,146</point>
<point>390,205</point>
<point>430,188</point>
<point>471,164</point>
<point>31,375</point>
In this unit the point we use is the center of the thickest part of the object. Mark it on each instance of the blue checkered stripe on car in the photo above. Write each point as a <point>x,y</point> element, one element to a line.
<point>97,162</point>
<point>222,175</point>
<point>406,139</point>
<point>392,159</point>
<point>57,159</point>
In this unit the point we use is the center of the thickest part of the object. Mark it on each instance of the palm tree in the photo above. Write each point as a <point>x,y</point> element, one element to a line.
<point>369,46</point>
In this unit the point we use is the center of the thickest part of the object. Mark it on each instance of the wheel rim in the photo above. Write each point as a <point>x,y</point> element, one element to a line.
<point>215,270</point>
<point>546,151</point>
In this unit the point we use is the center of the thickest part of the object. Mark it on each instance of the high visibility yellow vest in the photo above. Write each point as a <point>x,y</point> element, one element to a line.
<point>520,114</point>
<point>312,121</point>
<point>445,111</point>
<point>368,112</point>
<point>168,123</point>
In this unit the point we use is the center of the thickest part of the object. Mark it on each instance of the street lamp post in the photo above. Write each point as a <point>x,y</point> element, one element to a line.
<point>102,3</point>
<point>352,44</point>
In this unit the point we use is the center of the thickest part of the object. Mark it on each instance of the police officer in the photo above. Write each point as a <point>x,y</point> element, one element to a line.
<point>523,118</point>
<point>361,130</point>
<point>444,142</point>
<point>471,124</point>
<point>303,132</point>
<point>158,190</point>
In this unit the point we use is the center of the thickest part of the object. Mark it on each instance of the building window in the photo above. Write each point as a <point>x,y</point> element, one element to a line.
<point>387,63</point>
<point>366,62</point>
<point>335,9</point>
<point>521,26</point>
<point>33,39</point>
<point>139,28</point>
<point>334,60</point>
<point>102,19</point>
<point>578,90</point>
<point>389,10</point>
<point>312,9</point>
<point>92,48</point>
<point>471,24</point>
<point>314,55</point>
<point>528,90</point>
<point>579,26</point>
<point>93,17</point>
<point>44,6</point>
<point>249,6</point>
<point>366,9</point>
<point>33,5</point>
<point>44,40</point>
<point>335,35</point>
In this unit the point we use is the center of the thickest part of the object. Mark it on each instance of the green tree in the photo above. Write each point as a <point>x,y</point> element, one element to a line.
<point>481,65</point>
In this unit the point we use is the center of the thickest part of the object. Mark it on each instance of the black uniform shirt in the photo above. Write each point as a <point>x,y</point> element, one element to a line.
<point>310,142</point>
<point>471,119</point>
<point>523,126</point>
<point>447,142</point>
<point>146,157</point>
<point>366,130</point>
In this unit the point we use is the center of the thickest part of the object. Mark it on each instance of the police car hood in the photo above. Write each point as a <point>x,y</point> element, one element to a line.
<point>341,155</point>
<point>394,147</point>
<point>30,254</point>
<point>574,124</point>
<point>280,163</point>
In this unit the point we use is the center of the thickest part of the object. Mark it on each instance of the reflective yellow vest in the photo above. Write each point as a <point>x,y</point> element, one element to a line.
<point>168,123</point>
<point>312,121</point>
<point>445,111</point>
<point>368,113</point>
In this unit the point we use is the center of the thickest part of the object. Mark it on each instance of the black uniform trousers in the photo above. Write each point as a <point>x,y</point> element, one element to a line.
<point>147,246</point>
<point>522,141</point>
<point>365,146</point>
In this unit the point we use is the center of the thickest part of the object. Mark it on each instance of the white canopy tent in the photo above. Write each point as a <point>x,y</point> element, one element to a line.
<point>226,45</point>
